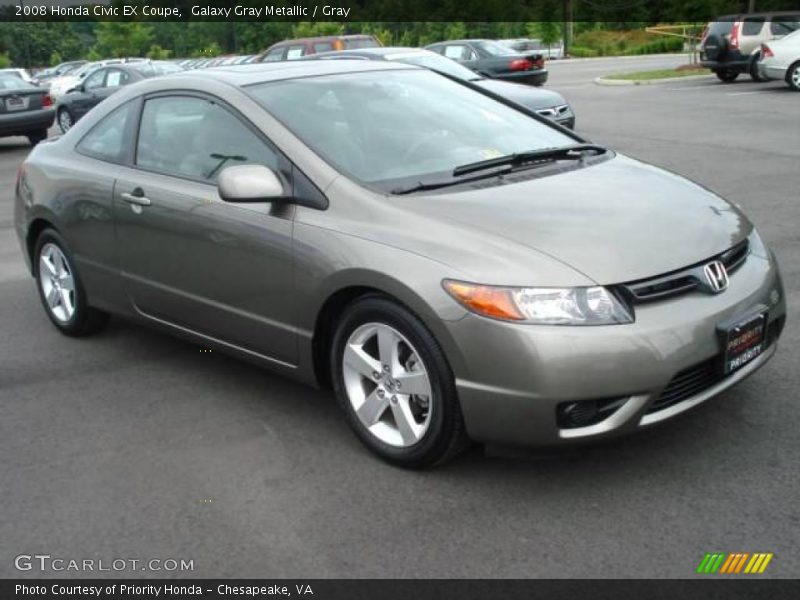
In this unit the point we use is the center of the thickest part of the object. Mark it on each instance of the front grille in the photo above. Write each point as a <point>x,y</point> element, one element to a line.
<point>684,280</point>
<point>554,112</point>
<point>702,376</point>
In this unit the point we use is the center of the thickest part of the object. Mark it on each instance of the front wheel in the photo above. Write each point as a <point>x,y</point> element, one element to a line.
<point>727,75</point>
<point>60,288</point>
<point>395,386</point>
<point>793,76</point>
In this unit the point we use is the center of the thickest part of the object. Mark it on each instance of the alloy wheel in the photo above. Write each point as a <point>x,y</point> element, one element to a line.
<point>796,77</point>
<point>58,283</point>
<point>65,120</point>
<point>387,384</point>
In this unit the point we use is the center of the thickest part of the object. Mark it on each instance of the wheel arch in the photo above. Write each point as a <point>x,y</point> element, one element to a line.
<point>35,229</point>
<point>338,298</point>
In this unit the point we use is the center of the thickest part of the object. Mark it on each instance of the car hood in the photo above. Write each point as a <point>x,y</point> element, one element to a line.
<point>533,98</point>
<point>616,221</point>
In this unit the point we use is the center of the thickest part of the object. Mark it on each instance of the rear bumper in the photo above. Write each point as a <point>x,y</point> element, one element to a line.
<point>772,71</point>
<point>731,60</point>
<point>26,122</point>
<point>525,77</point>
<point>514,377</point>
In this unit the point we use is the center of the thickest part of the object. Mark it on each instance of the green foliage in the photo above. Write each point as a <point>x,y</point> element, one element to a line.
<point>583,52</point>
<point>156,52</point>
<point>211,50</point>
<point>319,28</point>
<point>55,59</point>
<point>120,39</point>
<point>5,60</point>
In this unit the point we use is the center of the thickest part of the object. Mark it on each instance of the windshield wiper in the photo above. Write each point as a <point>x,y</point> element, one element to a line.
<point>422,186</point>
<point>566,152</point>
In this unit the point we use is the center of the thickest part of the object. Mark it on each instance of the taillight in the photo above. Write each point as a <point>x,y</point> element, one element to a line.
<point>766,52</point>
<point>735,34</point>
<point>47,101</point>
<point>520,64</point>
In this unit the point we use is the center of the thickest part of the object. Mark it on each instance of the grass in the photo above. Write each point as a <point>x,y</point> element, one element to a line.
<point>658,74</point>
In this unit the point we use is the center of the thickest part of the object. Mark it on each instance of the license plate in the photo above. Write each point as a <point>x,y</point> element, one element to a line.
<point>16,103</point>
<point>744,341</point>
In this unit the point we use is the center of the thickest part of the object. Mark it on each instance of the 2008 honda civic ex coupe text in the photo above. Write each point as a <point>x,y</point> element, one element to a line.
<point>454,267</point>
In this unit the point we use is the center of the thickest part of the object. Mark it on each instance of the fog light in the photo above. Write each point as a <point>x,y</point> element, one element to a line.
<point>582,413</point>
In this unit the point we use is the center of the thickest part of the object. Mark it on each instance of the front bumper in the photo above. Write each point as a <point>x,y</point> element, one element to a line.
<point>511,378</point>
<point>24,122</point>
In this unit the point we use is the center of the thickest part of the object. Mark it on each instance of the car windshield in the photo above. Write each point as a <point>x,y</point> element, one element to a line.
<point>430,60</point>
<point>496,49</point>
<point>398,127</point>
<point>11,82</point>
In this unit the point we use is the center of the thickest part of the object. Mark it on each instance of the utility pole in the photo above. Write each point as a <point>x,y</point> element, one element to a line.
<point>567,18</point>
<point>751,6</point>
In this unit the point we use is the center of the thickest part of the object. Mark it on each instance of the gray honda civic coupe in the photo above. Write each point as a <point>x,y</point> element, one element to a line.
<point>453,266</point>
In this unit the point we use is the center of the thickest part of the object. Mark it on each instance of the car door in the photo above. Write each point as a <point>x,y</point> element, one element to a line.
<point>188,258</point>
<point>86,96</point>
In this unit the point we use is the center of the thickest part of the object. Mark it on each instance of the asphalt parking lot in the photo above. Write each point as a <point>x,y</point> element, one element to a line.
<point>131,444</point>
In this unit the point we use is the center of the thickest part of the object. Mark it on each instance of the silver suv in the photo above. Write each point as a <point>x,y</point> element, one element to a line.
<point>732,44</point>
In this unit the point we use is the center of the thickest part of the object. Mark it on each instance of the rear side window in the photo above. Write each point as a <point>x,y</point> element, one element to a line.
<point>458,52</point>
<point>106,140</point>
<point>752,25</point>
<point>323,47</point>
<point>196,138</point>
<point>355,44</point>
<point>784,25</point>
<point>116,78</point>
<point>295,52</point>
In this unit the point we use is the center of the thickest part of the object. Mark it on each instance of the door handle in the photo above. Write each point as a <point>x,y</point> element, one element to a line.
<point>136,197</point>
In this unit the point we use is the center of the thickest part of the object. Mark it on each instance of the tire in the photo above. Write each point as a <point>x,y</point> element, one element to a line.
<point>754,74</point>
<point>34,137</point>
<point>727,75</point>
<point>60,289</point>
<point>793,76</point>
<point>408,430</point>
<point>65,119</point>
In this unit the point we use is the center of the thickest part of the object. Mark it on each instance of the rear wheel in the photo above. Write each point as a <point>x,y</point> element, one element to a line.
<point>60,288</point>
<point>754,74</point>
<point>395,386</point>
<point>727,75</point>
<point>65,119</point>
<point>793,76</point>
<point>34,137</point>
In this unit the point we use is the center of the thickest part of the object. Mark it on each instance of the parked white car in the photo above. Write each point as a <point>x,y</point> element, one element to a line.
<point>21,73</point>
<point>61,85</point>
<point>780,59</point>
<point>525,45</point>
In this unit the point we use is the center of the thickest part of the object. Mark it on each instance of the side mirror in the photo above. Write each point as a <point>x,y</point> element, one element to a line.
<point>249,183</point>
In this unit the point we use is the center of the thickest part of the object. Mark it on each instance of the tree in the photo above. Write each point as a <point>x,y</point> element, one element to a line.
<point>55,59</point>
<point>5,60</point>
<point>119,39</point>
<point>156,52</point>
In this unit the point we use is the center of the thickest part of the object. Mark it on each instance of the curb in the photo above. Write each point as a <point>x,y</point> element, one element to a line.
<point>606,81</point>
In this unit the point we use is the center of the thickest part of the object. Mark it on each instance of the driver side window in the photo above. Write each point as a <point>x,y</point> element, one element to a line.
<point>95,80</point>
<point>196,138</point>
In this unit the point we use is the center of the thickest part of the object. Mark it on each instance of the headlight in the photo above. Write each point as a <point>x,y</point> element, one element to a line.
<point>543,306</point>
<point>757,245</point>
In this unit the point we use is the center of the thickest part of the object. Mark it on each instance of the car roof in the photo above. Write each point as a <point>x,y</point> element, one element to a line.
<point>241,75</point>
<point>324,38</point>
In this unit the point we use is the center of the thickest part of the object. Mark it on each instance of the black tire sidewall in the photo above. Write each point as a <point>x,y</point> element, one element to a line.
<point>444,404</point>
<point>75,325</point>
<point>792,68</point>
